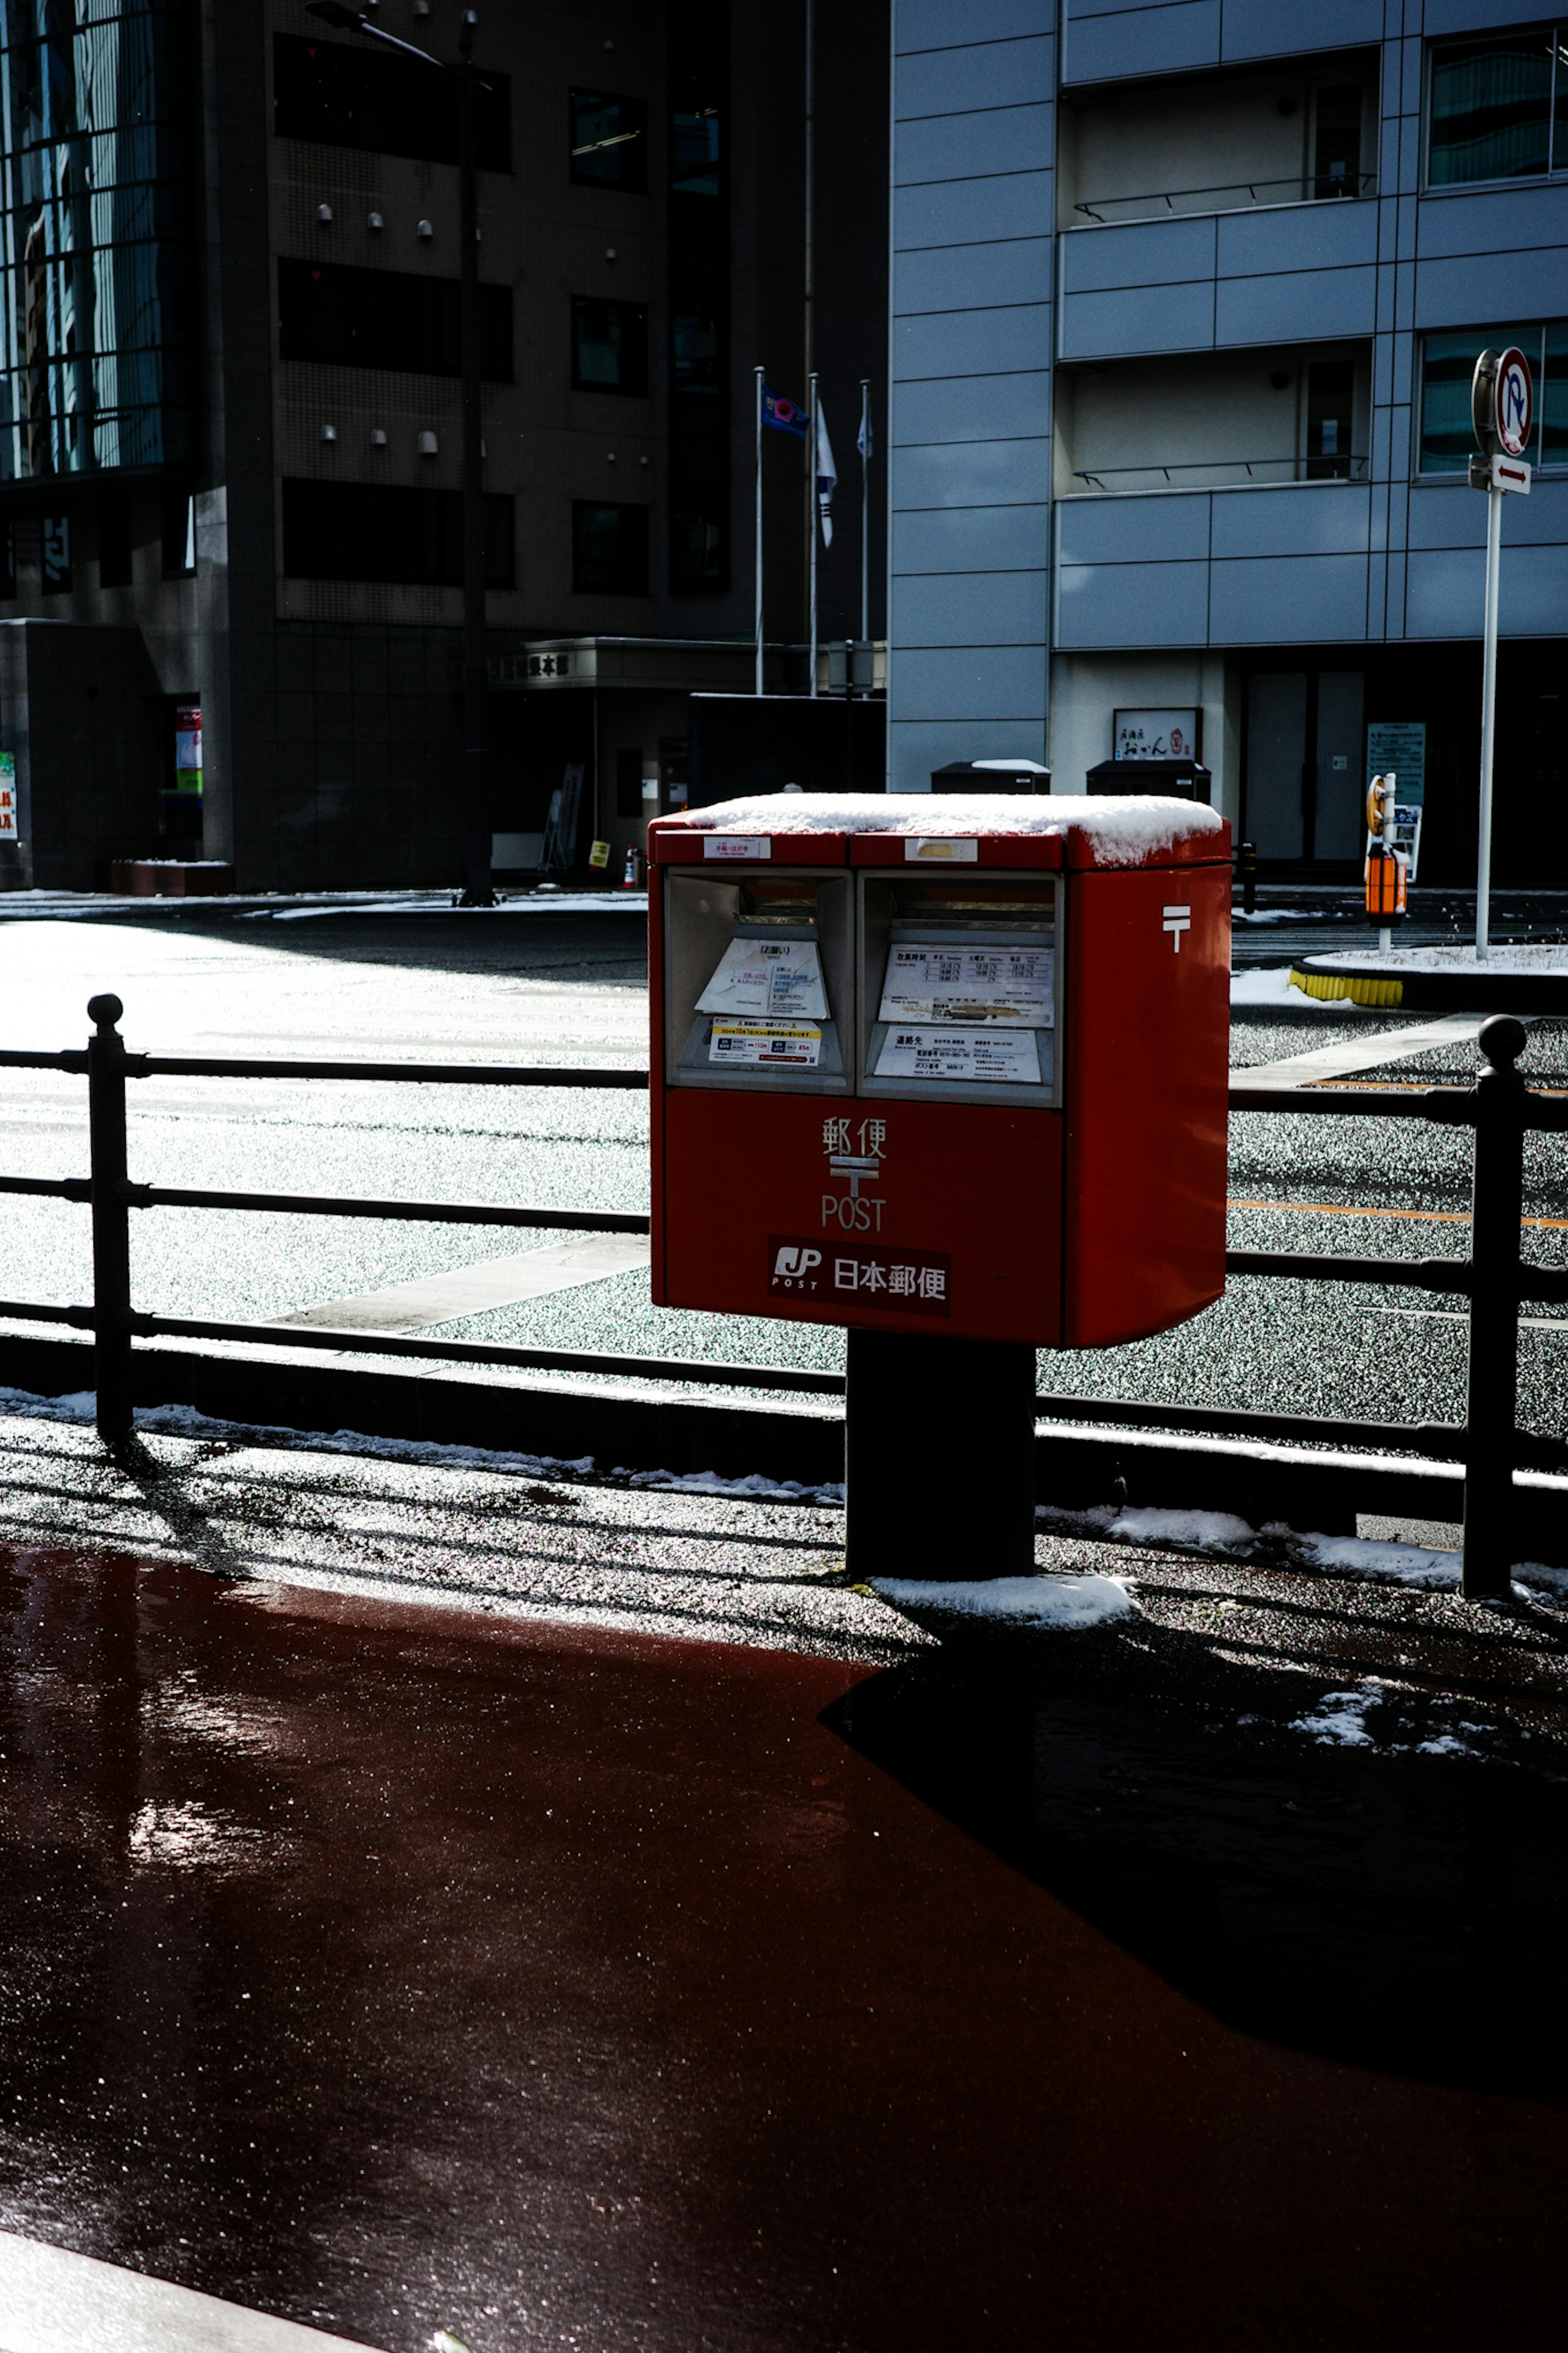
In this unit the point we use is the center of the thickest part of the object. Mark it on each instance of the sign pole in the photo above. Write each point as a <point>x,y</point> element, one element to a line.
<point>758,374</point>
<point>1502,412</point>
<point>864,510</point>
<point>1489,725</point>
<point>811,517</point>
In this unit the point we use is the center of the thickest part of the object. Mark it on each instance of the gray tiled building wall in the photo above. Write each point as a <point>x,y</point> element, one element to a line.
<point>981,591</point>
<point>973,214</point>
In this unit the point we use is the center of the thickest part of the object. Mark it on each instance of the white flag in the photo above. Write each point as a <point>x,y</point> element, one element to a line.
<point>826,477</point>
<point>863,438</point>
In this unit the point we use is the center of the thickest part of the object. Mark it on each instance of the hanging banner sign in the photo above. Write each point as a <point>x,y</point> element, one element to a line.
<point>7,797</point>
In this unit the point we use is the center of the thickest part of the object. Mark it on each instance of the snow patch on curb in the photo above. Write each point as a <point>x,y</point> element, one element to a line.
<point>1065,1603</point>
<point>184,1421</point>
<point>708,1482</point>
<point>1204,1531</point>
<point>1384,1562</point>
<point>1272,985</point>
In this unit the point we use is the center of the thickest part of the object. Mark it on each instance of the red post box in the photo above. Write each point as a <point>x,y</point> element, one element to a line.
<point>952,1067</point>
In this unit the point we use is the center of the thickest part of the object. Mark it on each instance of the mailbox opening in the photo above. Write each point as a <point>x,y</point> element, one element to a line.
<point>758,981</point>
<point>960,988</point>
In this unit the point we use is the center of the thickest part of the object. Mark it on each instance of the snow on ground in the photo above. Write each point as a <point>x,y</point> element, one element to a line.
<point>1123,827</point>
<point>1272,987</point>
<point>1503,959</point>
<point>1340,1721</point>
<point>1067,1603</point>
<point>184,1421</point>
<point>1196,1529</point>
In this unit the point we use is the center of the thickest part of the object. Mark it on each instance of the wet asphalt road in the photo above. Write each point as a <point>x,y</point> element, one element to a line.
<point>391,1969</point>
<point>566,988</point>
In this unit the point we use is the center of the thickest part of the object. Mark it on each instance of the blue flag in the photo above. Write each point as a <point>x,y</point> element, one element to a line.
<point>785,414</point>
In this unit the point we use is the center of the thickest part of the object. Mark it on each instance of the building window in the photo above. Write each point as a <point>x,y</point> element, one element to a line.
<point>696,356</point>
<point>609,550</point>
<point>695,160</point>
<point>697,472</point>
<point>361,97</point>
<point>697,543</point>
<point>1448,364</point>
<point>387,319</point>
<point>609,346</point>
<point>1498,107</point>
<point>1336,141</point>
<point>97,282</point>
<point>609,147</point>
<point>366,530</point>
<point>1330,414</point>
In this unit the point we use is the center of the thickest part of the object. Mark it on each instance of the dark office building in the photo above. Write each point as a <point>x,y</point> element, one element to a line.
<point>229,417</point>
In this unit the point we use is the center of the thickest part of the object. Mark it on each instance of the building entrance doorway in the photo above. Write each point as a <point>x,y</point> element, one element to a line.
<point>1302,785</point>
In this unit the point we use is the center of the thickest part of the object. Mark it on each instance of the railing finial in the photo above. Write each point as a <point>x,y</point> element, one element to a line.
<point>105,1010</point>
<point>1502,1041</point>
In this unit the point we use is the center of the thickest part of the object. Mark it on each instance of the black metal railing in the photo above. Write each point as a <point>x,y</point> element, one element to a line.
<point>1495,1279</point>
<point>1178,203</point>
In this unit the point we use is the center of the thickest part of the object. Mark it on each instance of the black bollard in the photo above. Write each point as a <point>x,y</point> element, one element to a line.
<point>1496,1204</point>
<point>110,1221</point>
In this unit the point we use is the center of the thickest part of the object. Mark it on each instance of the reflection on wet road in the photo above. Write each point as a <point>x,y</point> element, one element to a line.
<point>395,1969</point>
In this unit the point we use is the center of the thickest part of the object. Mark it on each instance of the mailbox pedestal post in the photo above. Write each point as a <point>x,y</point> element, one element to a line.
<point>939,1457</point>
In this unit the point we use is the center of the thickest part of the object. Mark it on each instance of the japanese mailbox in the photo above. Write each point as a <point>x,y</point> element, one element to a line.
<point>943,1065</point>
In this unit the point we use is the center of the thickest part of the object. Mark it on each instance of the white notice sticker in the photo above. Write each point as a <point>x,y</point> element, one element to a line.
<point>980,1056</point>
<point>786,1045</point>
<point>736,845</point>
<point>961,983</point>
<point>934,850</point>
<point>777,976</point>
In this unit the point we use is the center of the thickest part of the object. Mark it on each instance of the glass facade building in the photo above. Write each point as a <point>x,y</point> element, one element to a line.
<point>95,312</point>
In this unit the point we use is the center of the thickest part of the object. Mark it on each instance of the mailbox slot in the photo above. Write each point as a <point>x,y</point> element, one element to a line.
<point>760,980</point>
<point>960,989</point>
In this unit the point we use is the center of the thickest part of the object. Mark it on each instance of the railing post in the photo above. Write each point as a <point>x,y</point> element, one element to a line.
<point>110,1221</point>
<point>1492,1401</point>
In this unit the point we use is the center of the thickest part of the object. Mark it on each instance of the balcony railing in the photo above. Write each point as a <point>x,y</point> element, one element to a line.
<point>1233,196</point>
<point>1224,474</point>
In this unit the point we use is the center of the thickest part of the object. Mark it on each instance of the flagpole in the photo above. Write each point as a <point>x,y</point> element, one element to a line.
<point>758,372</point>
<point>864,510</point>
<point>811,517</point>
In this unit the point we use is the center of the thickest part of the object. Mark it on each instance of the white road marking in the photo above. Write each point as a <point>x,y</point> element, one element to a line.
<point>55,2302</point>
<point>469,1290</point>
<point>1362,1053</point>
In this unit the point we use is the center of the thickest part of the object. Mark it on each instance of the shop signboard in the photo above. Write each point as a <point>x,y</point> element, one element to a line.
<point>187,748</point>
<point>1162,734</point>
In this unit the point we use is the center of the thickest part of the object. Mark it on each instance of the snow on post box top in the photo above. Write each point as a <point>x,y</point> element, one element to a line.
<point>1106,830</point>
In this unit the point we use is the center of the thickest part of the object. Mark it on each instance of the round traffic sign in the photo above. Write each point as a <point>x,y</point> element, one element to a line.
<point>1513,408</point>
